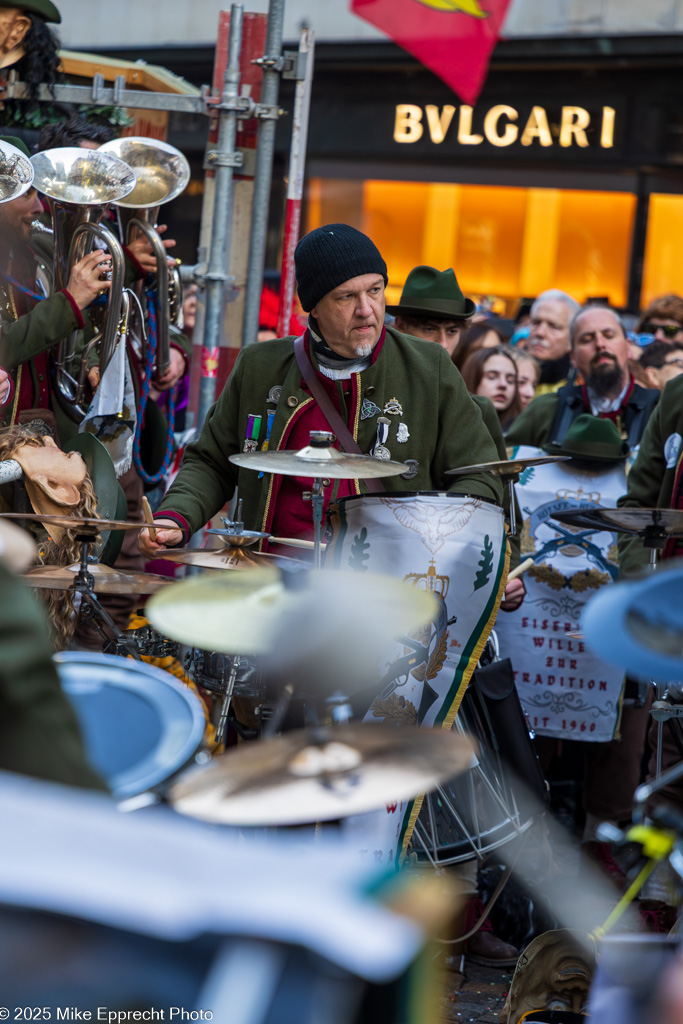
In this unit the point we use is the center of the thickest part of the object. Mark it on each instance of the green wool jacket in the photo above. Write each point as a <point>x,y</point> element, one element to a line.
<point>652,476</point>
<point>445,427</point>
<point>535,425</point>
<point>48,322</point>
<point>39,733</point>
<point>36,332</point>
<point>53,319</point>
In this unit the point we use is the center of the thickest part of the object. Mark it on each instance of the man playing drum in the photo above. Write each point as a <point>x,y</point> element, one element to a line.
<point>400,398</point>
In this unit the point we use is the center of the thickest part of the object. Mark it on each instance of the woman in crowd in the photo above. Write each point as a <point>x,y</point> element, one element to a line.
<point>528,373</point>
<point>479,335</point>
<point>492,372</point>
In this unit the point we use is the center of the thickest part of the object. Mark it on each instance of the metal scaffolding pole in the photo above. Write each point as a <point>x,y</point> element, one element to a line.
<point>295,184</point>
<point>272,64</point>
<point>225,159</point>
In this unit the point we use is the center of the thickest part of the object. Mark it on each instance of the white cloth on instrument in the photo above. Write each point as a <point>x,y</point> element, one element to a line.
<point>112,414</point>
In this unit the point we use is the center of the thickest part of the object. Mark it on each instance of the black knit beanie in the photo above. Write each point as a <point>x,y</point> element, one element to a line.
<point>330,255</point>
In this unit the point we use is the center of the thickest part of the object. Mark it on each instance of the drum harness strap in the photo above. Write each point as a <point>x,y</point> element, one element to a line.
<point>328,410</point>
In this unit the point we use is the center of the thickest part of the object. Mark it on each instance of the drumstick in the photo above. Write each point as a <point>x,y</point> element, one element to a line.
<point>295,543</point>
<point>149,518</point>
<point>522,567</point>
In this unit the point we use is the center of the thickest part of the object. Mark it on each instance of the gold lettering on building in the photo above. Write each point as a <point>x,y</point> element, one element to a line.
<point>465,136</point>
<point>537,128</point>
<point>439,123</point>
<point>575,120</point>
<point>607,133</point>
<point>408,123</point>
<point>491,120</point>
<point>498,126</point>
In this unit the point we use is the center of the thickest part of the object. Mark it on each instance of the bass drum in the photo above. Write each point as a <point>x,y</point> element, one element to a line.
<point>504,791</point>
<point>139,724</point>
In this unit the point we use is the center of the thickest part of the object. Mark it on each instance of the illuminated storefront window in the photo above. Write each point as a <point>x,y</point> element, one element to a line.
<point>502,242</point>
<point>662,272</point>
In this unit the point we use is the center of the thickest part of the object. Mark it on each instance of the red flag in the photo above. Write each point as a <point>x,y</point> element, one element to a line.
<point>453,38</point>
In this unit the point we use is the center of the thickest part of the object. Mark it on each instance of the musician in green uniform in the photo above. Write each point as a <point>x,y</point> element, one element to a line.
<point>39,733</point>
<point>401,399</point>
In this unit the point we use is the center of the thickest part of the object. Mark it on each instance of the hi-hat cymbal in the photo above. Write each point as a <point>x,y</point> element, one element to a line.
<point>249,612</point>
<point>76,524</point>
<point>665,522</point>
<point>313,462</point>
<point>107,581</point>
<point>320,774</point>
<point>228,558</point>
<point>243,539</point>
<point>508,467</point>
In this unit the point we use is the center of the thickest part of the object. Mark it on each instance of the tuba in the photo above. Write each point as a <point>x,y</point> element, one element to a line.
<point>162,173</point>
<point>78,185</point>
<point>16,173</point>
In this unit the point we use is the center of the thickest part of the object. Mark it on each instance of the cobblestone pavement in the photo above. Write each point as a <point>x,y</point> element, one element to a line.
<point>477,996</point>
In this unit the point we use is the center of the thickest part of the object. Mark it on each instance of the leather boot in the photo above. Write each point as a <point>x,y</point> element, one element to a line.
<point>485,947</point>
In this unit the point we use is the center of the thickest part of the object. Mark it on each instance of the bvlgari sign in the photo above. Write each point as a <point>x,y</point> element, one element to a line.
<point>502,125</point>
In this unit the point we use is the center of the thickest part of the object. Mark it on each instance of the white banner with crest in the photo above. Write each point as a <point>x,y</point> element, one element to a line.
<point>565,690</point>
<point>455,547</point>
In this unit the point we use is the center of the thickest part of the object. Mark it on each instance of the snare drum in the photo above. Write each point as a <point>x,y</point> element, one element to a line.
<point>139,724</point>
<point>484,808</point>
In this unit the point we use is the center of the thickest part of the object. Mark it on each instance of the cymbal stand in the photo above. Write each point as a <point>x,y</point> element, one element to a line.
<point>227,698</point>
<point>319,439</point>
<point>316,496</point>
<point>509,481</point>
<point>93,612</point>
<point>655,538</point>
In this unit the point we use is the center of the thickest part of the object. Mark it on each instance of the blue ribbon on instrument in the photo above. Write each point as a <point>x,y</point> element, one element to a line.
<point>152,478</point>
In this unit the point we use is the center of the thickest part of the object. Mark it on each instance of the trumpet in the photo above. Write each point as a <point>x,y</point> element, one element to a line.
<point>78,185</point>
<point>162,173</point>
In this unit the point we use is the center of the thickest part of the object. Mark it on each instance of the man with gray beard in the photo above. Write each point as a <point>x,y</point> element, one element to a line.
<point>401,400</point>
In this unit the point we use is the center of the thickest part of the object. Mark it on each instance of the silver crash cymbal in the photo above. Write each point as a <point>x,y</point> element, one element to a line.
<point>107,581</point>
<point>507,467</point>
<point>77,524</point>
<point>315,462</point>
<point>666,522</point>
<point>247,613</point>
<point>320,774</point>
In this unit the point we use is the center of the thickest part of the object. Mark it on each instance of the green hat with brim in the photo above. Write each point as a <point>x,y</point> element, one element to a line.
<point>12,140</point>
<point>431,292</point>
<point>591,439</point>
<point>43,8</point>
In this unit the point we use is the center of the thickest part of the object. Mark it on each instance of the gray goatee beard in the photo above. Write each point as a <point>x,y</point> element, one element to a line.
<point>364,350</point>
